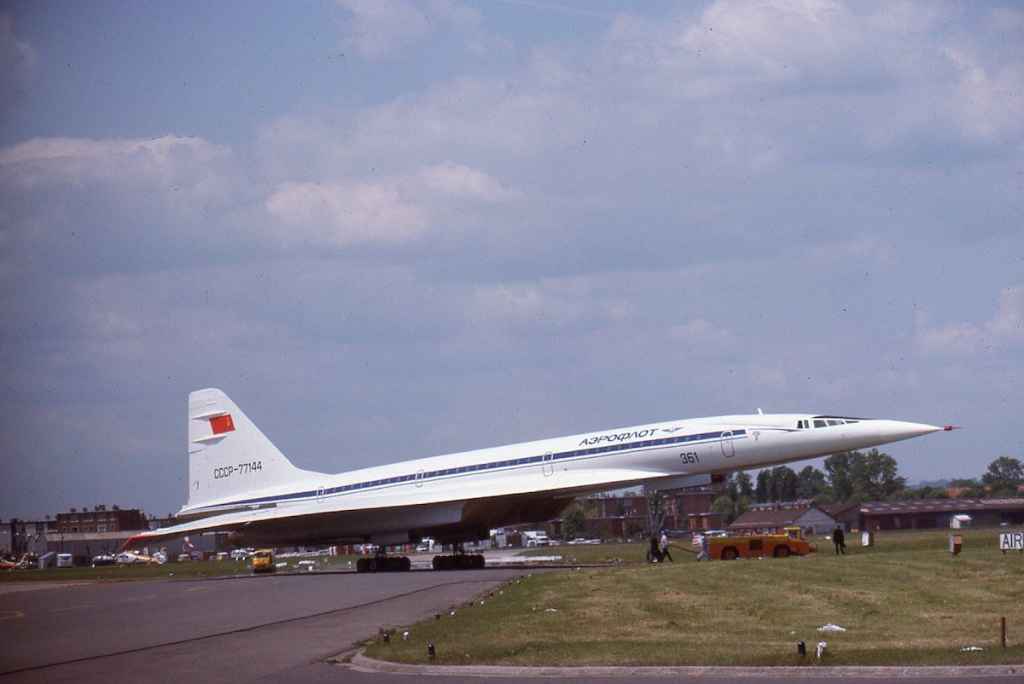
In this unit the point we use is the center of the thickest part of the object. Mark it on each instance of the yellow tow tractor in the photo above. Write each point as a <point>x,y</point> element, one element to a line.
<point>790,543</point>
<point>263,561</point>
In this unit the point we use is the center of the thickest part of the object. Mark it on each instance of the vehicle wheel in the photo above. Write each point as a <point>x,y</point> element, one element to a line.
<point>729,554</point>
<point>781,551</point>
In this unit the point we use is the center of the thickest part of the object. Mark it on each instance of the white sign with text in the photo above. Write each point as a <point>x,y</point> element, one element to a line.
<point>1011,541</point>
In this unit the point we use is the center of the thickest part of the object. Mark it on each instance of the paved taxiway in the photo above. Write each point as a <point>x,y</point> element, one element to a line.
<point>278,628</point>
<point>213,630</point>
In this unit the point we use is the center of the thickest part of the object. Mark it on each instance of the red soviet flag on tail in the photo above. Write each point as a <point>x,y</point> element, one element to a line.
<point>222,424</point>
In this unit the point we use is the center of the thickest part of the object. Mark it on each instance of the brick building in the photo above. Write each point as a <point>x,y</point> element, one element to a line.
<point>625,517</point>
<point>100,520</point>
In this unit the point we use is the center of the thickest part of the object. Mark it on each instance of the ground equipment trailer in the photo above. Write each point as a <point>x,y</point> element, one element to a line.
<point>780,545</point>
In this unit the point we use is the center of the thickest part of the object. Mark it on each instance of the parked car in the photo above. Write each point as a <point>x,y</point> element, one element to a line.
<point>103,559</point>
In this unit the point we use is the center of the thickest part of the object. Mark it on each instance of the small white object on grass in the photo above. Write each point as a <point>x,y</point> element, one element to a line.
<point>970,649</point>
<point>820,651</point>
<point>405,635</point>
<point>830,627</point>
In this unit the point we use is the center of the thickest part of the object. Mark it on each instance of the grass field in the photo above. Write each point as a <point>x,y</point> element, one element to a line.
<point>905,601</point>
<point>191,570</point>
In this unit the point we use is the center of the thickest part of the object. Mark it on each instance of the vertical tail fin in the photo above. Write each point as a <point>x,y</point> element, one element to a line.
<point>228,456</point>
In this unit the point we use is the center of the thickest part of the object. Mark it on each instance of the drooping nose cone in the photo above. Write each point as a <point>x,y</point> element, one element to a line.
<point>895,430</point>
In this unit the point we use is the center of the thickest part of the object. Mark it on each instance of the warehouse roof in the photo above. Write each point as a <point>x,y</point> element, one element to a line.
<point>940,506</point>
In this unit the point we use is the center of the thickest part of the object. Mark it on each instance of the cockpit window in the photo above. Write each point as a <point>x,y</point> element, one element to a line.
<point>833,421</point>
<point>819,423</point>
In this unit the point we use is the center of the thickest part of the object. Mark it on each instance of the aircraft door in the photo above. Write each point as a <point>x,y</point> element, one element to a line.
<point>419,478</point>
<point>320,494</point>
<point>548,464</point>
<point>728,446</point>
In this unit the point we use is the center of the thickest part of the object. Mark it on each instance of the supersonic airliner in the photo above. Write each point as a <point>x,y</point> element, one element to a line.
<point>240,483</point>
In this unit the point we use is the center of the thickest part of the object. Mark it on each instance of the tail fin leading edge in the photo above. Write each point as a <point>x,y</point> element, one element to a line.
<point>228,456</point>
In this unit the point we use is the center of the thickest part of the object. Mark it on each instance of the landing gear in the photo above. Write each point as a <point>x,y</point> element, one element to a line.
<point>383,563</point>
<point>460,560</point>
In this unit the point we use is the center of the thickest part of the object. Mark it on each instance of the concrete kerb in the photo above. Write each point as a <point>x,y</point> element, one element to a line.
<point>361,663</point>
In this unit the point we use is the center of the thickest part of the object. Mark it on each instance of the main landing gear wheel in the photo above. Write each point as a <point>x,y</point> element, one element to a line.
<point>383,564</point>
<point>461,561</point>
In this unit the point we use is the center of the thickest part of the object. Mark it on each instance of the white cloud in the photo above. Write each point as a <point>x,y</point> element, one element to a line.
<point>345,214</point>
<point>988,99</point>
<point>380,28</point>
<point>558,302</point>
<point>17,59</point>
<point>1005,328</point>
<point>170,161</point>
<point>699,333</point>
<point>462,181</point>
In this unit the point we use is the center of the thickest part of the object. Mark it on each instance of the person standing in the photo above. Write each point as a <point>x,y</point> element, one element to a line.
<point>839,539</point>
<point>664,548</point>
<point>654,553</point>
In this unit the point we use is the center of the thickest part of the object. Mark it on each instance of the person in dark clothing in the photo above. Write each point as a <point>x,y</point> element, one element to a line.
<point>654,554</point>
<point>839,539</point>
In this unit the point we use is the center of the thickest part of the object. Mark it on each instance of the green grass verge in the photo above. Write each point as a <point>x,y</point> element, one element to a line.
<point>192,570</point>
<point>626,554</point>
<point>905,601</point>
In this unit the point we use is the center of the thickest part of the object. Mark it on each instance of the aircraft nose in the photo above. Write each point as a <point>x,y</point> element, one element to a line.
<point>895,430</point>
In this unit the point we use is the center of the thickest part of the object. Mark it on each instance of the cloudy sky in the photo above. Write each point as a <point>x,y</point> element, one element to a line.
<point>391,229</point>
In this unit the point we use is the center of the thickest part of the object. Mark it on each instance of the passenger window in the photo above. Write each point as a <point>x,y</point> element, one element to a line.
<point>819,423</point>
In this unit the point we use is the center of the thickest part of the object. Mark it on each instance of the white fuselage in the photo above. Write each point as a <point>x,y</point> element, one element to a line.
<point>389,503</point>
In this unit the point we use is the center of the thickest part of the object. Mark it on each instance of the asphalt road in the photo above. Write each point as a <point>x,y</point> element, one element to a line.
<point>214,630</point>
<point>279,628</point>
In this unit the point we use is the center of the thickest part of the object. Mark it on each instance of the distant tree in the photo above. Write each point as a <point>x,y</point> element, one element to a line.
<point>876,476</point>
<point>731,488</point>
<point>573,521</point>
<point>782,484</point>
<point>744,484</point>
<point>922,492</point>
<point>811,483</point>
<point>730,508</point>
<point>761,489</point>
<point>656,510</point>
<point>856,476</point>
<point>1003,476</point>
<point>840,480</point>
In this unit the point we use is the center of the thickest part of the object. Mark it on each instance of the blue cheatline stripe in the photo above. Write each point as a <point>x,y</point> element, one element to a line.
<point>580,454</point>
